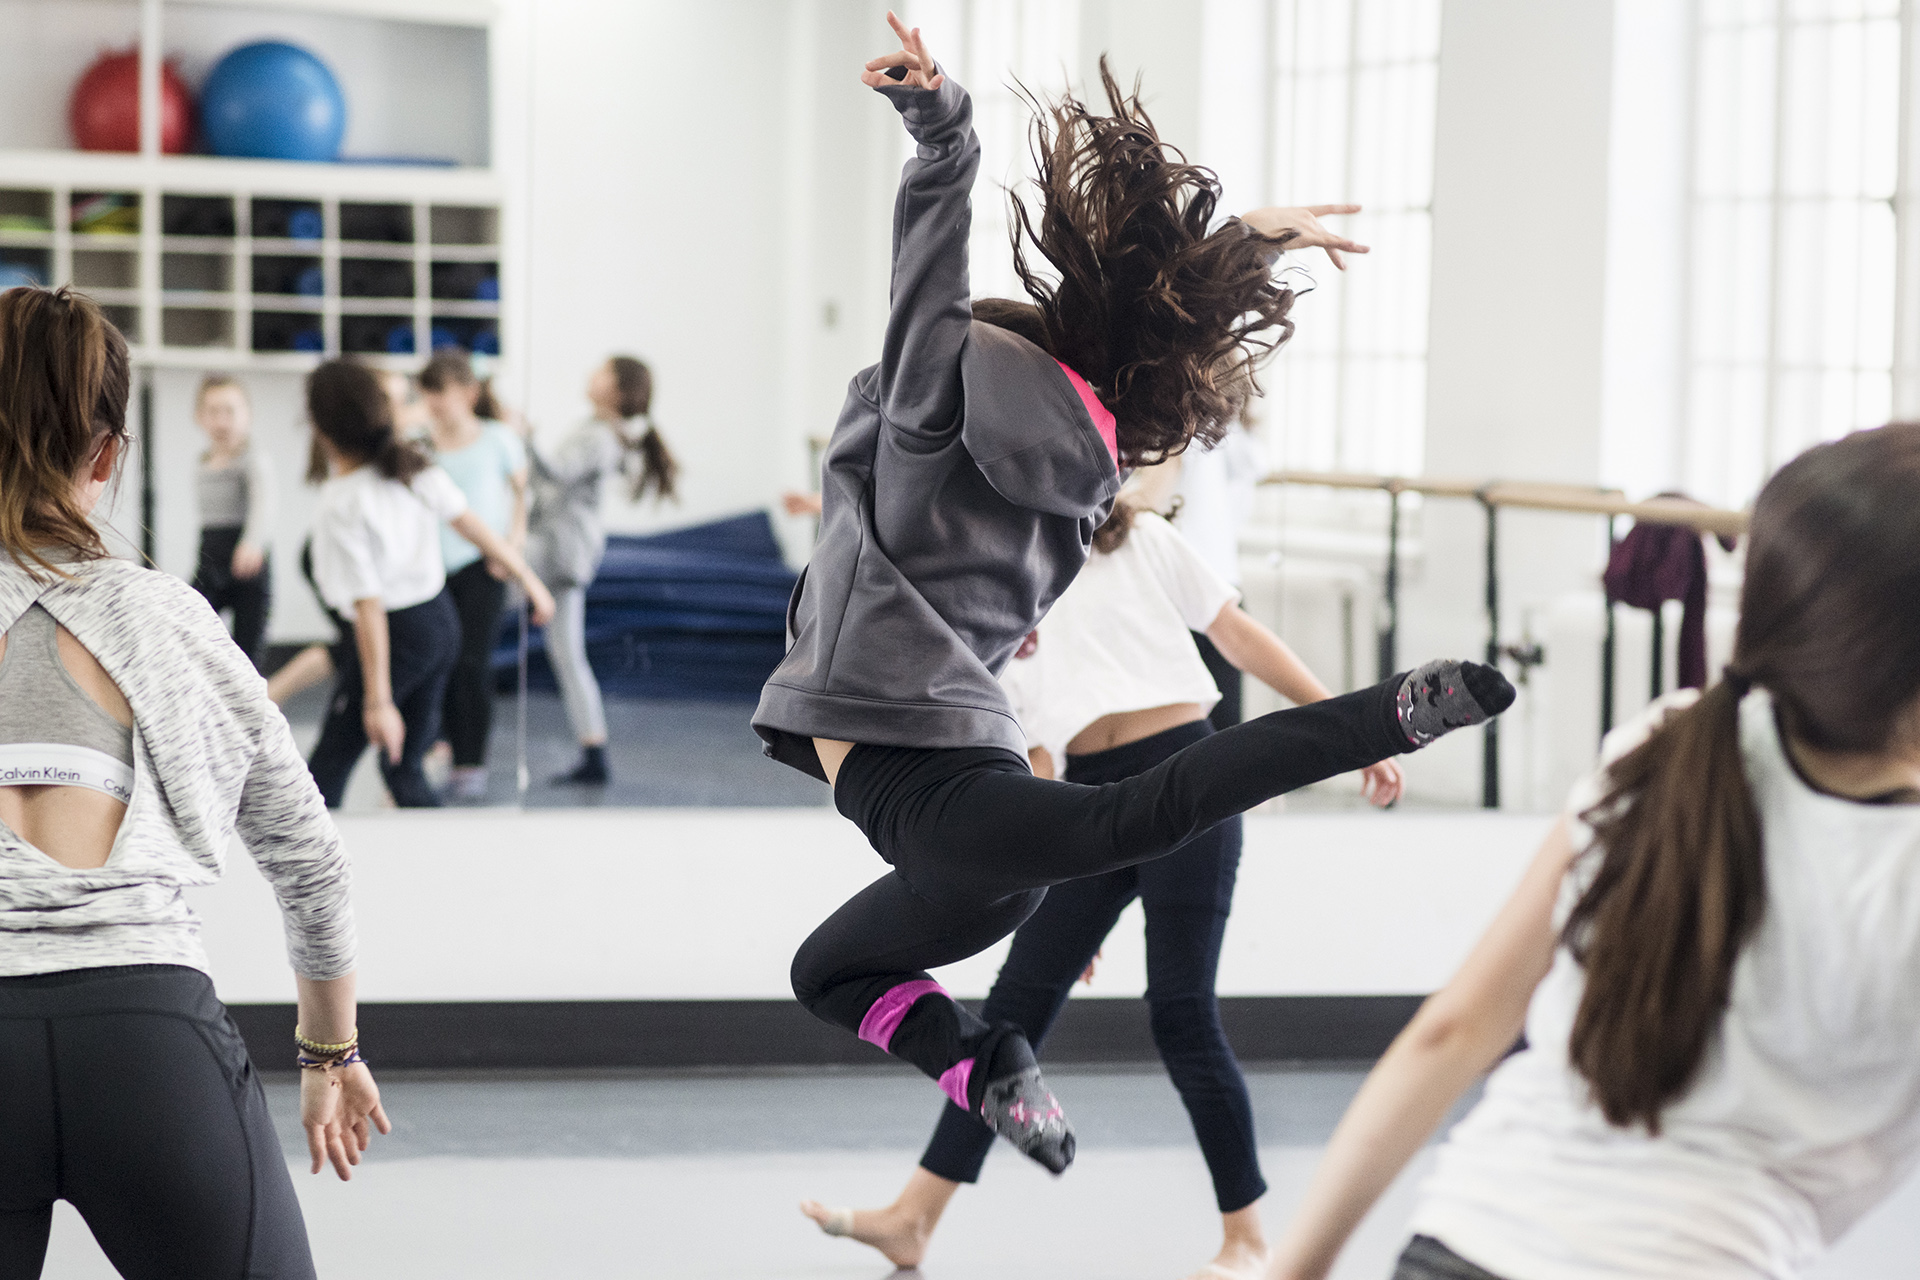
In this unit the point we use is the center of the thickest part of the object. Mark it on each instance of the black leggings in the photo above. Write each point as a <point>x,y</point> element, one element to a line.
<point>422,642</point>
<point>1186,897</point>
<point>1427,1259</point>
<point>479,598</point>
<point>249,598</point>
<point>128,1093</point>
<point>975,840</point>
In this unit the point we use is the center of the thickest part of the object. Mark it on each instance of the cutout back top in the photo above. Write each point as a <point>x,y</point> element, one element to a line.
<point>52,732</point>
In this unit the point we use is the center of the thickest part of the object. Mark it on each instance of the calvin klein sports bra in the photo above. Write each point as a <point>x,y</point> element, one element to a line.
<point>52,732</point>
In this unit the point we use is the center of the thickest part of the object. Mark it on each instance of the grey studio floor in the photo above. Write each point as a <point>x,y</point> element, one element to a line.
<point>683,1177</point>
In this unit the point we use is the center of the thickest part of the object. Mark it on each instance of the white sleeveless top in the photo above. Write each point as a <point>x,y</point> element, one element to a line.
<point>1806,1111</point>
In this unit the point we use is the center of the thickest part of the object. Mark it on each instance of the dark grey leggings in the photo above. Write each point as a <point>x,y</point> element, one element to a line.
<point>127,1093</point>
<point>1427,1259</point>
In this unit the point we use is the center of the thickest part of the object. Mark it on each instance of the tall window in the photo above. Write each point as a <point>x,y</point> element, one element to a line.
<point>1795,168</point>
<point>990,45</point>
<point>1352,110</point>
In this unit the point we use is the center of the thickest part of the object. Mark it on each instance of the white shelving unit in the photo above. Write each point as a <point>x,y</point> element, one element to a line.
<point>265,266</point>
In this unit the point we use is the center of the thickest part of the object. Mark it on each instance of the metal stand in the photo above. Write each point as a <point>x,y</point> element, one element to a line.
<point>1607,645</point>
<point>1490,759</point>
<point>148,501</point>
<point>1659,681</point>
<point>1390,633</point>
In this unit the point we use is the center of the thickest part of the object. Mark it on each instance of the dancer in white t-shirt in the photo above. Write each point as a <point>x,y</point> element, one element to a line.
<point>1715,957</point>
<point>1108,687</point>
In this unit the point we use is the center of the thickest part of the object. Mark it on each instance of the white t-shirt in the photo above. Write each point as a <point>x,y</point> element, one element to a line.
<point>377,537</point>
<point>1117,638</point>
<point>1216,490</point>
<point>1806,1111</point>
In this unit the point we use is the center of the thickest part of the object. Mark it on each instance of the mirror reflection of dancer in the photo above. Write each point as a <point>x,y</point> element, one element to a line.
<point>125,1088</point>
<point>1715,956</point>
<point>1113,686</point>
<point>377,564</point>
<point>235,490</point>
<point>962,486</point>
<point>569,538</point>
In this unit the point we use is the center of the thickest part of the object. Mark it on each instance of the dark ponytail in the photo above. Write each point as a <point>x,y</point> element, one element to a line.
<point>1830,627</point>
<point>650,464</point>
<point>350,408</point>
<point>1679,892</point>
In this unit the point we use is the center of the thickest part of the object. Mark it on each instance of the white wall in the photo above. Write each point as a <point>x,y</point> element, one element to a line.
<point>656,198</point>
<point>711,904</point>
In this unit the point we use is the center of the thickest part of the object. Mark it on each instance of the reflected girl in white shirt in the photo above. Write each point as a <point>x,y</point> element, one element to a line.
<point>377,563</point>
<point>1715,956</point>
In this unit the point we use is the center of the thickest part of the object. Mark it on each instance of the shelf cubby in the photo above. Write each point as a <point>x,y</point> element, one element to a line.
<point>196,327</point>
<point>478,334</point>
<point>126,319</point>
<point>376,334</point>
<point>26,213</point>
<point>25,265</point>
<point>96,268</point>
<point>279,219</point>
<point>295,275</point>
<point>198,272</point>
<point>376,278</point>
<point>288,331</point>
<point>463,225</point>
<point>207,218</point>
<point>104,213</point>
<point>376,223</point>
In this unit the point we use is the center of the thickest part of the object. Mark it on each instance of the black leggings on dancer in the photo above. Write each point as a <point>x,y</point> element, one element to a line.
<point>975,840</point>
<point>1186,897</point>
<point>128,1093</point>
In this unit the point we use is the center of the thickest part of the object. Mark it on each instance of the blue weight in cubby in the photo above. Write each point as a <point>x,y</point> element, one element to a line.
<point>486,342</point>
<point>309,340</point>
<point>400,340</point>
<point>305,224</point>
<point>311,283</point>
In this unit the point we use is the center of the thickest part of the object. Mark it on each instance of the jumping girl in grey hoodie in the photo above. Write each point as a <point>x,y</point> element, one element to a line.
<point>961,490</point>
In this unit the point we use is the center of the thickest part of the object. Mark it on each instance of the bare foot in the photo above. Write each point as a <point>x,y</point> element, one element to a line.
<point>900,1235</point>
<point>1235,1261</point>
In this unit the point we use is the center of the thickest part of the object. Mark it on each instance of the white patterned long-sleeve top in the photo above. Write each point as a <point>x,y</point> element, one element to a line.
<point>213,757</point>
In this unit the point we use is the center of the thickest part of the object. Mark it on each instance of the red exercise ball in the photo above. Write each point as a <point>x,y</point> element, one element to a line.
<point>104,111</point>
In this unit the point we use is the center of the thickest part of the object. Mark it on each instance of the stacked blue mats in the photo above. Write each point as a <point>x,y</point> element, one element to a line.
<point>695,613</point>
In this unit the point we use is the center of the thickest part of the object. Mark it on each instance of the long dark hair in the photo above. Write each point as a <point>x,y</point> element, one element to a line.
<point>350,408</point>
<point>650,464</point>
<point>1152,310</point>
<point>64,380</point>
<point>1830,626</point>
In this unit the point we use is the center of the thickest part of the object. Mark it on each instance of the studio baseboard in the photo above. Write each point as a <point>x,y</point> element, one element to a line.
<point>697,1034</point>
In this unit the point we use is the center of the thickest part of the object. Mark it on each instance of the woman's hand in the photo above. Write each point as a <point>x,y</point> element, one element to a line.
<point>385,729</point>
<point>336,1106</point>
<point>800,504</point>
<point>539,600</point>
<point>1382,783</point>
<point>1305,223</point>
<point>247,560</point>
<point>912,57</point>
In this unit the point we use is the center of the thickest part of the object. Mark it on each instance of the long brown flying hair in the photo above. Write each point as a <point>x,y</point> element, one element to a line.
<point>652,465</point>
<point>1830,626</point>
<point>1152,310</point>
<point>64,380</point>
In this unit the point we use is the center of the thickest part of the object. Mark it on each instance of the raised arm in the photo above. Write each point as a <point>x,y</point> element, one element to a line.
<point>1457,1036</point>
<point>929,311</point>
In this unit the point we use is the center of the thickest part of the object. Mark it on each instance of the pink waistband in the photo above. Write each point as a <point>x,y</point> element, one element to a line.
<point>885,1014</point>
<point>1102,420</point>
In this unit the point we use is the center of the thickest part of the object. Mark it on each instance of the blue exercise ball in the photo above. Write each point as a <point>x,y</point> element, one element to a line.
<point>273,101</point>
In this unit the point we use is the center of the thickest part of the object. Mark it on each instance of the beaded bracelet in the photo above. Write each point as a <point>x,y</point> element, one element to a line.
<point>347,1059</point>
<point>319,1049</point>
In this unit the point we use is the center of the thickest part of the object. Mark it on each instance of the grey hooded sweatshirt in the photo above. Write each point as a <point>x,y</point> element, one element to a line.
<point>960,493</point>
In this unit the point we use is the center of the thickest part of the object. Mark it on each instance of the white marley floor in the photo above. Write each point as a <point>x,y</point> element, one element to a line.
<point>687,1177</point>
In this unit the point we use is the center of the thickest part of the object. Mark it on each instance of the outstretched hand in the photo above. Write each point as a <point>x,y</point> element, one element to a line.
<point>912,58</point>
<point>1308,233</point>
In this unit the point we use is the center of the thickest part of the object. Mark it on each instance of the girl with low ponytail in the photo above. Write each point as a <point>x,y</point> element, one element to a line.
<point>567,537</point>
<point>1715,958</point>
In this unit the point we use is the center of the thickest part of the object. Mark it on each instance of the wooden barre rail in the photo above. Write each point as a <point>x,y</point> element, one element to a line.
<point>1532,496</point>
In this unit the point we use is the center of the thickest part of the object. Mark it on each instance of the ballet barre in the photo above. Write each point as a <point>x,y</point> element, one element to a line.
<point>1527,495</point>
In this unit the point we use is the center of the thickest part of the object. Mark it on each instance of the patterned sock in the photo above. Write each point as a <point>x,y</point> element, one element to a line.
<point>1445,695</point>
